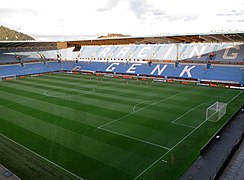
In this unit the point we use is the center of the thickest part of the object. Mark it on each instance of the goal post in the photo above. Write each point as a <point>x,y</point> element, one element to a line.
<point>216,111</point>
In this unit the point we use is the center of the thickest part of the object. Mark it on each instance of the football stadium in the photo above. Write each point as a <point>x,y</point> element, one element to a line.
<point>122,107</point>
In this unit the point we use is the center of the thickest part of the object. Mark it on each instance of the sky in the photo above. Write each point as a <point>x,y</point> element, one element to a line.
<point>46,19</point>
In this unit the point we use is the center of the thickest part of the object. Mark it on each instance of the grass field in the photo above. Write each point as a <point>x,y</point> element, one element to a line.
<point>88,127</point>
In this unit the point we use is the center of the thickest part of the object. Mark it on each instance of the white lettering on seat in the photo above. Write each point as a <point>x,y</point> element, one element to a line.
<point>123,52</point>
<point>111,68</point>
<point>232,55</point>
<point>132,68</point>
<point>187,70</point>
<point>197,52</point>
<point>168,52</point>
<point>141,55</point>
<point>157,68</point>
<point>104,52</point>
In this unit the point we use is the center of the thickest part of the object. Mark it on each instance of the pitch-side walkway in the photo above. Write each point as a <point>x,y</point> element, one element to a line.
<point>235,168</point>
<point>209,163</point>
<point>5,174</point>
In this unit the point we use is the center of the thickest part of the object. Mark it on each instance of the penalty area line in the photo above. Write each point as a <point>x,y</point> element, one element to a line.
<point>183,125</point>
<point>154,103</point>
<point>67,171</point>
<point>160,158</point>
<point>235,97</point>
<point>136,139</point>
<point>186,113</point>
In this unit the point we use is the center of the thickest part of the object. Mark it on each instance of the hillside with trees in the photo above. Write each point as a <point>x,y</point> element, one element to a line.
<point>7,34</point>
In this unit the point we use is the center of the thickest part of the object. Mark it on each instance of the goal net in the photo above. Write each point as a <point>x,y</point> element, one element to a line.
<point>7,77</point>
<point>216,111</point>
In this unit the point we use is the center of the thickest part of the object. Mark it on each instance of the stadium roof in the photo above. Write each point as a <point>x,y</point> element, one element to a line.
<point>159,39</point>
<point>169,38</point>
<point>23,44</point>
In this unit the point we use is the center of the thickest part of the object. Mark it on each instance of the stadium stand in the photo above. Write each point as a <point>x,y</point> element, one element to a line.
<point>7,58</point>
<point>54,66</point>
<point>68,65</point>
<point>227,52</point>
<point>217,72</point>
<point>11,69</point>
<point>204,62</point>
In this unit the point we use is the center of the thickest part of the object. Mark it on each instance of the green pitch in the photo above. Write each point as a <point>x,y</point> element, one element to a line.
<point>76,126</point>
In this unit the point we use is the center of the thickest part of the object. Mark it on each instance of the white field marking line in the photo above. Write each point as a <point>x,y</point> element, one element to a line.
<point>18,102</point>
<point>136,139</point>
<point>235,97</point>
<point>164,161</point>
<point>57,94</point>
<point>67,83</point>
<point>183,125</point>
<point>212,116</point>
<point>186,113</point>
<point>45,93</point>
<point>15,176</point>
<point>42,157</point>
<point>27,100</point>
<point>206,104</point>
<point>23,101</point>
<point>138,110</point>
<point>174,121</point>
<point>169,151</point>
<point>190,92</point>
<point>138,105</point>
<point>227,103</point>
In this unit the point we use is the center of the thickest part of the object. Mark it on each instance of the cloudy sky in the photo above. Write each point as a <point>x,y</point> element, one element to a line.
<point>41,18</point>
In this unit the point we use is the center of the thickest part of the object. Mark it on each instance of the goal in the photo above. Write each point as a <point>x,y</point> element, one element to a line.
<point>7,77</point>
<point>216,111</point>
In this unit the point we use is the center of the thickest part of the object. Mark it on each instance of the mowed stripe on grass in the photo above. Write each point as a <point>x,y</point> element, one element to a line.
<point>66,121</point>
